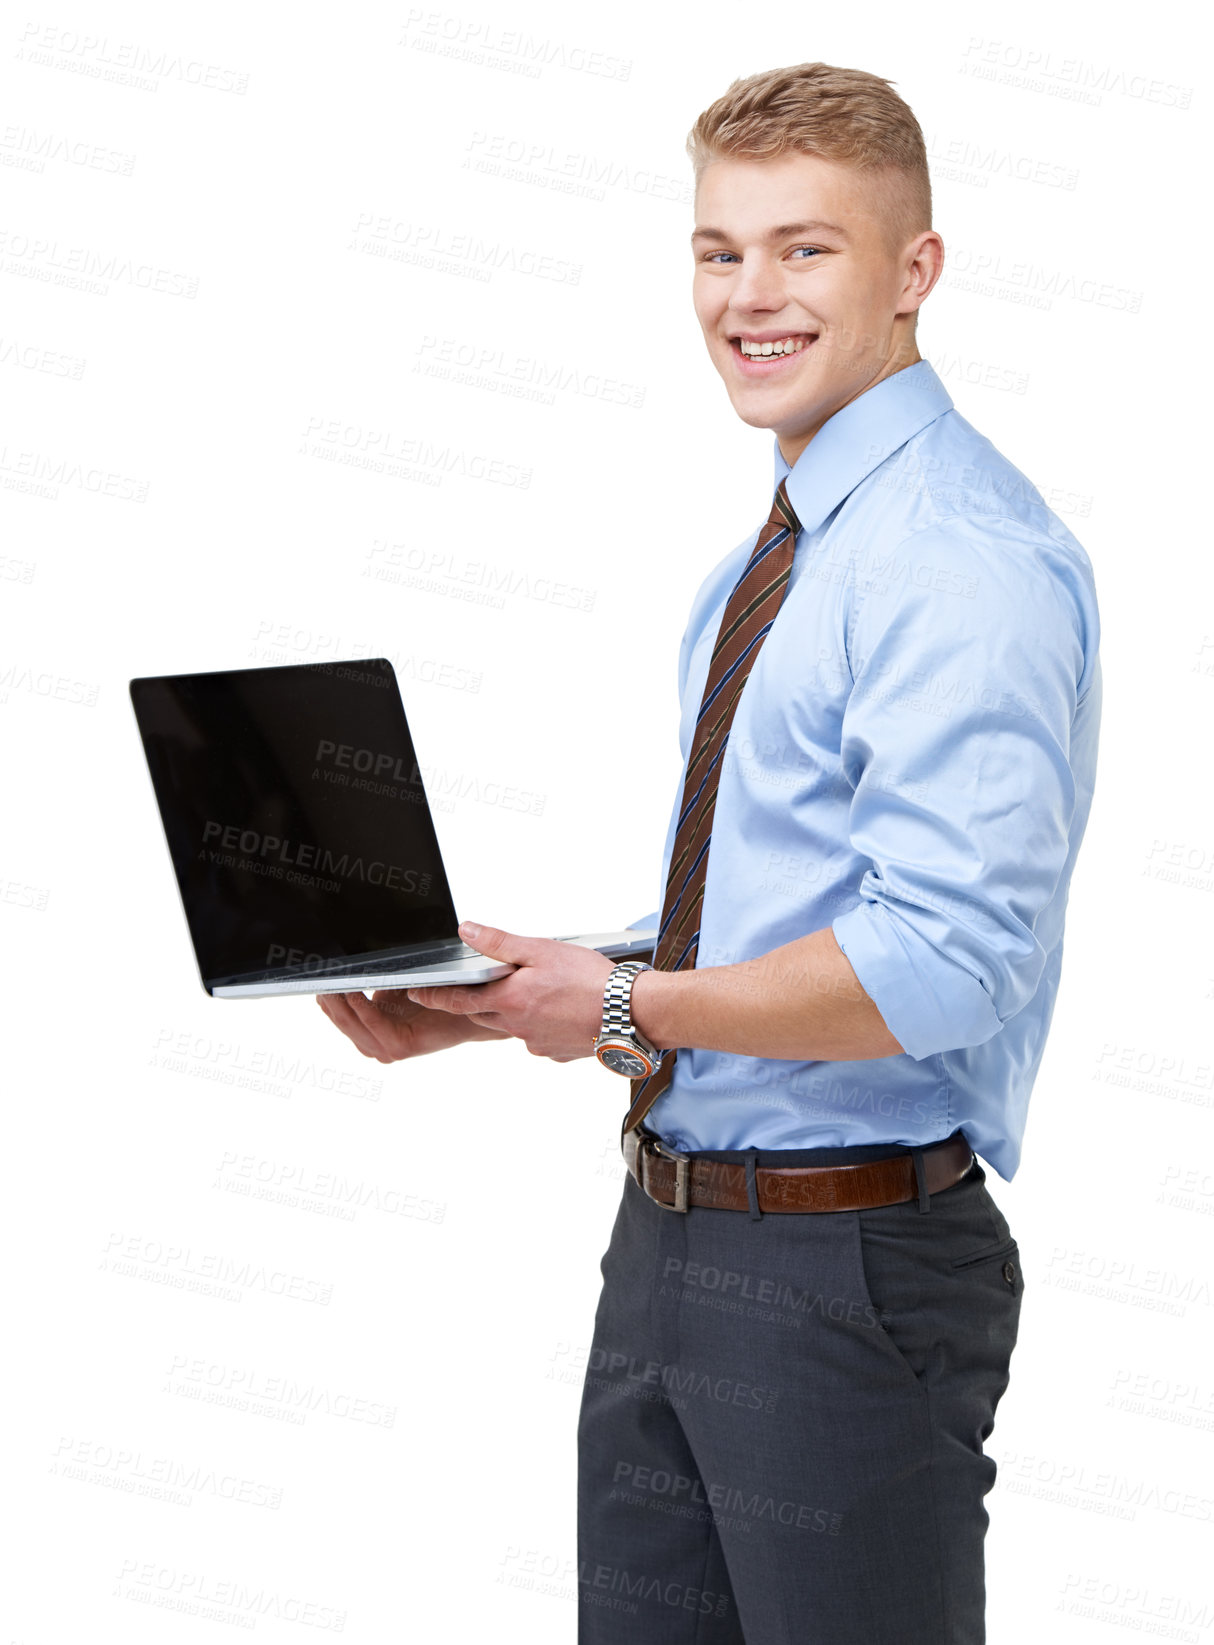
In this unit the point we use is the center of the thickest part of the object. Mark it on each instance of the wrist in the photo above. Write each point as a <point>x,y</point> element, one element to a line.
<point>651,1002</point>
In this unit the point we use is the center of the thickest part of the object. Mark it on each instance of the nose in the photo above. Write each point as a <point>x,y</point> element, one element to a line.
<point>758,285</point>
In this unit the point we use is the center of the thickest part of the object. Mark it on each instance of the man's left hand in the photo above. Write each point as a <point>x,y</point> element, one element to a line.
<point>553,1000</point>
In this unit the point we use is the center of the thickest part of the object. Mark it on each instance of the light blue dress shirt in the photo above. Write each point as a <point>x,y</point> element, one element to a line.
<point>911,763</point>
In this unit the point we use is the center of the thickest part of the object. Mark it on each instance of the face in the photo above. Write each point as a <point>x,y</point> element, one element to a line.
<point>793,251</point>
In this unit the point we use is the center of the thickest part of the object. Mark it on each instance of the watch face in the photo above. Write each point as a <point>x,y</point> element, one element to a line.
<point>621,1060</point>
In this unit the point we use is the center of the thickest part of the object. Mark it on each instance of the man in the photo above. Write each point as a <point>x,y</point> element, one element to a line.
<point>891,701</point>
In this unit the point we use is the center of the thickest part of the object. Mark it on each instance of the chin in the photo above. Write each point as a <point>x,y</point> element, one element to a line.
<point>761,411</point>
<point>755,417</point>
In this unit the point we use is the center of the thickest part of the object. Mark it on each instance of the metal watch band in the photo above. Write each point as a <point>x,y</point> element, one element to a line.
<point>617,997</point>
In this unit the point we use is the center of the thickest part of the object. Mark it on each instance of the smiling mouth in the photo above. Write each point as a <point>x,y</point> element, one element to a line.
<point>780,352</point>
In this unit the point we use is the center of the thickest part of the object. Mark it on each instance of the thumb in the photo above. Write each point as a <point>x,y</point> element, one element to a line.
<point>499,945</point>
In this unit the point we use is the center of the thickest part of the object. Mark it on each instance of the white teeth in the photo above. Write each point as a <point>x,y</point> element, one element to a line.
<point>786,345</point>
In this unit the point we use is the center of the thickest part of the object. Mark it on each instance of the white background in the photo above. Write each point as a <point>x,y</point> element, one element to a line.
<point>216,299</point>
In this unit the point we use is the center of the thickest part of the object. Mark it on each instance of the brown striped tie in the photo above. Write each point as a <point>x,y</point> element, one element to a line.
<point>749,614</point>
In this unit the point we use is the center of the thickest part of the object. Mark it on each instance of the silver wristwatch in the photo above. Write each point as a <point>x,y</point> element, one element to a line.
<point>619,1045</point>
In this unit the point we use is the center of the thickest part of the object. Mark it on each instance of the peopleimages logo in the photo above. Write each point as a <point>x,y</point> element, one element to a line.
<point>271,854</point>
<point>366,761</point>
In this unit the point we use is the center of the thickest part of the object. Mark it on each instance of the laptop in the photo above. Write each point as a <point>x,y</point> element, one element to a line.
<point>301,834</point>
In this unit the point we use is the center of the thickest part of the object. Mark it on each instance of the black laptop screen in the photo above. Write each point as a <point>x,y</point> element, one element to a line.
<point>295,814</point>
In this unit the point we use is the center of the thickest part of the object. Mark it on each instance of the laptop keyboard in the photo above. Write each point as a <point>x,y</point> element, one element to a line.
<point>377,964</point>
<point>380,963</point>
<point>400,962</point>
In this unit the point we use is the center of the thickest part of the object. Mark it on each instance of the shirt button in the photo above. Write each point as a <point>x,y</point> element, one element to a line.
<point>1009,1272</point>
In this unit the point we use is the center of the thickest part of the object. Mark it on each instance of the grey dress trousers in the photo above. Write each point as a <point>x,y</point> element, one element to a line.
<point>782,1422</point>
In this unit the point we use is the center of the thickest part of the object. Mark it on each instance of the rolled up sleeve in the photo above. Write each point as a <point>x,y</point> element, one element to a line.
<point>967,661</point>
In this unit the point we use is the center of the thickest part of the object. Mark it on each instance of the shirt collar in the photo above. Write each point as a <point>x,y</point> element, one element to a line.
<point>857,438</point>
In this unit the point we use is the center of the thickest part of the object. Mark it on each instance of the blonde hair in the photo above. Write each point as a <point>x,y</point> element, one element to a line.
<point>846,115</point>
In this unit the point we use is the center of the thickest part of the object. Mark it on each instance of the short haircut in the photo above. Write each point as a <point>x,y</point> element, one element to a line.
<point>845,115</point>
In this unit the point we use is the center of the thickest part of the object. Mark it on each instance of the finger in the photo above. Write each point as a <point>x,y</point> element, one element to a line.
<point>379,1019</point>
<point>336,1009</point>
<point>464,997</point>
<point>460,1000</point>
<point>489,995</point>
<point>340,1011</point>
<point>502,945</point>
<point>344,1010</point>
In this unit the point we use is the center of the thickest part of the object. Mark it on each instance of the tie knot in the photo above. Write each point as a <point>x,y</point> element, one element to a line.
<point>782,512</point>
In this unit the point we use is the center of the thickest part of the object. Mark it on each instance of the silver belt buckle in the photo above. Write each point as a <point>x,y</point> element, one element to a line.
<point>682,1166</point>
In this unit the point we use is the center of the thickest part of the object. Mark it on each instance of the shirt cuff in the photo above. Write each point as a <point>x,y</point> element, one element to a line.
<point>929,1003</point>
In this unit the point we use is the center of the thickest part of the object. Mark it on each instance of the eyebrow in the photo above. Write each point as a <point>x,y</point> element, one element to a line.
<point>778,233</point>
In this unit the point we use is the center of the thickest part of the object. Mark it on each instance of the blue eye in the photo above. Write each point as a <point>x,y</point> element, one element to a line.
<point>712,256</point>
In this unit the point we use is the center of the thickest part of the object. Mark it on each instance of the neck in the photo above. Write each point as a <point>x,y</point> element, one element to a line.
<point>907,354</point>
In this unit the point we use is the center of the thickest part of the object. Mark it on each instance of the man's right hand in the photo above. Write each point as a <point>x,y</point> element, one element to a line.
<point>390,1026</point>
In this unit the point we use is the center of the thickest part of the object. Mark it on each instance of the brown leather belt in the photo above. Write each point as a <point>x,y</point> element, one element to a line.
<point>678,1181</point>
